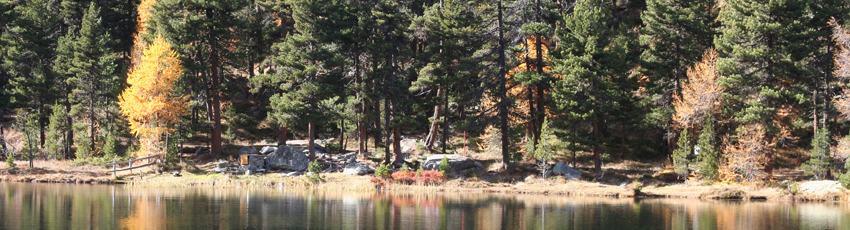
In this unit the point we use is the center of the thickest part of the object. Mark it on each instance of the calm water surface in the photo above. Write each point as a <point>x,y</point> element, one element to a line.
<point>68,206</point>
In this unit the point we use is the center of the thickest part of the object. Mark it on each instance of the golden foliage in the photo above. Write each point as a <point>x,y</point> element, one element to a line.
<point>747,155</point>
<point>700,94</point>
<point>139,44</point>
<point>519,113</point>
<point>149,102</point>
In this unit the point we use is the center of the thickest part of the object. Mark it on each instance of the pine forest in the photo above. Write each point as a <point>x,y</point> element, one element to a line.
<point>724,90</point>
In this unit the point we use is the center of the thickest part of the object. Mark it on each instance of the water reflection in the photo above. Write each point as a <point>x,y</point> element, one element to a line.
<point>62,206</point>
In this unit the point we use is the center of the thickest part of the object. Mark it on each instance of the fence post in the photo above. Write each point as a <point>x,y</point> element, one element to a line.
<point>113,168</point>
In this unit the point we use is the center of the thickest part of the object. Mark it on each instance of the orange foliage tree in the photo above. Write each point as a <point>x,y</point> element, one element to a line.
<point>149,103</point>
<point>700,94</point>
<point>139,44</point>
<point>746,156</point>
<point>842,67</point>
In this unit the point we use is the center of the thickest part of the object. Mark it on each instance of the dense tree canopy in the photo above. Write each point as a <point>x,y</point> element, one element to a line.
<point>616,79</point>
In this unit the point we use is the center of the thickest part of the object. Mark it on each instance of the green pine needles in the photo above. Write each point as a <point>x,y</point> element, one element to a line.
<point>680,155</point>
<point>819,159</point>
<point>708,154</point>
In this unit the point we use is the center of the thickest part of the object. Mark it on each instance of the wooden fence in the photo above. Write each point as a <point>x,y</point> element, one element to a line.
<point>130,166</point>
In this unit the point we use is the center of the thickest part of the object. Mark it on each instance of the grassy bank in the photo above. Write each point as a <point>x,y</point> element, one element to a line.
<point>617,186</point>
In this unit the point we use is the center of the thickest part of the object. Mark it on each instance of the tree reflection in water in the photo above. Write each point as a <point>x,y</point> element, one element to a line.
<point>63,206</point>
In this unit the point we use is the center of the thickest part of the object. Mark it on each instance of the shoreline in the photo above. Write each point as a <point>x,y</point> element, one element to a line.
<point>57,172</point>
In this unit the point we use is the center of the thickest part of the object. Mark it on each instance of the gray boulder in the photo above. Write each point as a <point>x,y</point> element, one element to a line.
<point>257,161</point>
<point>348,157</point>
<point>288,158</point>
<point>457,162</point>
<point>565,170</point>
<point>820,186</point>
<point>356,169</point>
<point>268,149</point>
<point>247,150</point>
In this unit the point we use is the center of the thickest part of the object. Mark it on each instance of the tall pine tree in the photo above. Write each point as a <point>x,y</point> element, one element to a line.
<point>675,35</point>
<point>764,49</point>
<point>592,90</point>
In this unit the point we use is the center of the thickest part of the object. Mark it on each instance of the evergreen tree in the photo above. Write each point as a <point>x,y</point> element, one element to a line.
<point>388,37</point>
<point>681,154</point>
<point>29,42</point>
<point>676,33</point>
<point>94,73</point>
<point>708,155</point>
<point>450,29</point>
<point>544,151</point>
<point>63,67</point>
<point>56,131</point>
<point>202,32</point>
<point>593,86</point>
<point>307,68</point>
<point>819,158</point>
<point>28,125</point>
<point>764,49</point>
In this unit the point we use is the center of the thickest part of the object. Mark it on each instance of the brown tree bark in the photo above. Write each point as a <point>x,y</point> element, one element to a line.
<point>503,107</point>
<point>432,132</point>
<point>311,141</point>
<point>215,145</point>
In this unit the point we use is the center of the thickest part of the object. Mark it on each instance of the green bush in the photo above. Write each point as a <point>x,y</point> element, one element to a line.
<point>845,180</point>
<point>10,161</point>
<point>404,168</point>
<point>445,167</point>
<point>315,169</point>
<point>333,148</point>
<point>794,187</point>
<point>637,187</point>
<point>383,171</point>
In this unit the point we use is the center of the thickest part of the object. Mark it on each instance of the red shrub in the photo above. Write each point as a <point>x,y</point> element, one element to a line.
<point>430,177</point>
<point>404,177</point>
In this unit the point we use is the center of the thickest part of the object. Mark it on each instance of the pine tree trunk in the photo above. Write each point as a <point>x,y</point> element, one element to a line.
<point>597,161</point>
<point>445,122</point>
<point>432,133</point>
<point>281,135</point>
<point>69,138</point>
<point>91,115</point>
<point>341,136</point>
<point>215,146</point>
<point>378,127</point>
<point>387,154</point>
<point>399,157</point>
<point>503,107</point>
<point>311,141</point>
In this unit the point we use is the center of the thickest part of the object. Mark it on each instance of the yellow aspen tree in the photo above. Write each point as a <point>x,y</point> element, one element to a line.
<point>700,94</point>
<point>149,103</point>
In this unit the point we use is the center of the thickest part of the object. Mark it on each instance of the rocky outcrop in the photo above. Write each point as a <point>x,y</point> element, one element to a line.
<point>288,158</point>
<point>356,169</point>
<point>248,150</point>
<point>268,149</point>
<point>457,162</point>
<point>562,169</point>
<point>820,186</point>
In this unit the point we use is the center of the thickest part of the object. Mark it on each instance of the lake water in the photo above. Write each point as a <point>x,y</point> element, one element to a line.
<point>69,206</point>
